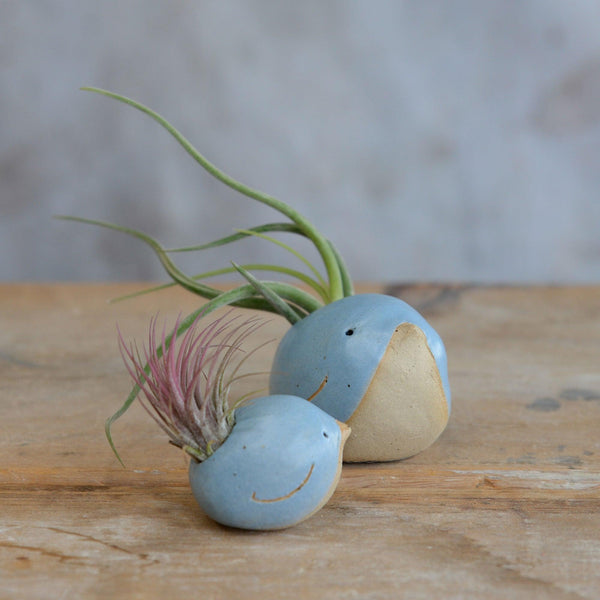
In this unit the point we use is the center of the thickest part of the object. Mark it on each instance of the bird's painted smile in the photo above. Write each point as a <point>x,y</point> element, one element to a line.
<point>288,495</point>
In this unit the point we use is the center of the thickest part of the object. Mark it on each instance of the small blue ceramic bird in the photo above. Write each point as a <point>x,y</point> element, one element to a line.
<point>266,463</point>
<point>386,370</point>
<point>279,465</point>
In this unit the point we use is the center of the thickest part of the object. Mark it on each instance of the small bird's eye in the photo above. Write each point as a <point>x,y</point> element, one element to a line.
<point>325,434</point>
<point>350,332</point>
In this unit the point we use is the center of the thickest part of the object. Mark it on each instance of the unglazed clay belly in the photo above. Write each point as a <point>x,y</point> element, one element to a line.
<point>404,409</point>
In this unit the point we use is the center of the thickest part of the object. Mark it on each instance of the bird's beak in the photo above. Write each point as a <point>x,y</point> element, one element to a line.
<point>345,431</point>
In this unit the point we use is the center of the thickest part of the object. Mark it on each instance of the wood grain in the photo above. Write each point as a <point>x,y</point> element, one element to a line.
<point>506,504</point>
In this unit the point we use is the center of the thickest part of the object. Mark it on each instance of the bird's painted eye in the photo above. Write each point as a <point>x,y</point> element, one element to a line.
<point>325,434</point>
<point>350,332</point>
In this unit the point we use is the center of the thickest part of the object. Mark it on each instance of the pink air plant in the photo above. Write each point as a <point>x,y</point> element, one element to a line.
<point>186,384</point>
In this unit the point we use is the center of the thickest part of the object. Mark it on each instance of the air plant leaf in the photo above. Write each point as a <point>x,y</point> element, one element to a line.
<point>290,293</point>
<point>322,245</point>
<point>278,304</point>
<point>223,271</point>
<point>166,262</point>
<point>319,285</point>
<point>240,235</point>
<point>347,286</point>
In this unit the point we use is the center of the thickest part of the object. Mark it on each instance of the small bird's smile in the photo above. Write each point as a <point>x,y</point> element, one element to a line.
<point>290,494</point>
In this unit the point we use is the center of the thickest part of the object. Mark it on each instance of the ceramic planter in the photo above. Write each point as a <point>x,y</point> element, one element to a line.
<point>279,465</point>
<point>386,370</point>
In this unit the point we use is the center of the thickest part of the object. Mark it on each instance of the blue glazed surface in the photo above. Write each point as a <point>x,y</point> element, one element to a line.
<point>279,465</point>
<point>345,341</point>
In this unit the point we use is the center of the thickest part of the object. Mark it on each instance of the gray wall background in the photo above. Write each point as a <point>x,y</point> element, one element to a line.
<point>430,140</point>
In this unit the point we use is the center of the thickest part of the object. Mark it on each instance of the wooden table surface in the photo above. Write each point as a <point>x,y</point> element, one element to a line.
<point>506,504</point>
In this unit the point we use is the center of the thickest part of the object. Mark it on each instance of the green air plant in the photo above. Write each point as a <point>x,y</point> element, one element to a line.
<point>385,365</point>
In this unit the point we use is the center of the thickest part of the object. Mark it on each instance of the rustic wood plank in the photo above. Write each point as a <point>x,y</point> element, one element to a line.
<point>505,504</point>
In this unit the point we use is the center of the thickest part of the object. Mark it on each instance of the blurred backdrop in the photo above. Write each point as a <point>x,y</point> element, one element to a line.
<point>431,140</point>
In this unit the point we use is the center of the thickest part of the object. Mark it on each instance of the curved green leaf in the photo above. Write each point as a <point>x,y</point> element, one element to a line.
<point>278,304</point>
<point>294,295</point>
<point>320,242</point>
<point>268,227</point>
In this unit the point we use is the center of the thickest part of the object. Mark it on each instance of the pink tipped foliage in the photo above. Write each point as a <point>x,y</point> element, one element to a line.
<point>187,382</point>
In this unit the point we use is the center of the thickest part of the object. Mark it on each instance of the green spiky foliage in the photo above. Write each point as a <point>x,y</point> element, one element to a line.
<point>286,299</point>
